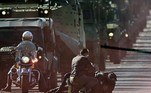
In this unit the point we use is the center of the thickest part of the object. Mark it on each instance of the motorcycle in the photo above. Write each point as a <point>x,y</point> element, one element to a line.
<point>107,82</point>
<point>25,75</point>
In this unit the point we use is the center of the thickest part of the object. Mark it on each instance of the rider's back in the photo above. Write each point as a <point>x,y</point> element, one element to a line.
<point>81,66</point>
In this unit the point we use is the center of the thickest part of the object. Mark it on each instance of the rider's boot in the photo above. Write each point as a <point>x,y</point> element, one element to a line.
<point>8,85</point>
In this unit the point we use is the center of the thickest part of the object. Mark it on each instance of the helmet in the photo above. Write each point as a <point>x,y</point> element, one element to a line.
<point>27,35</point>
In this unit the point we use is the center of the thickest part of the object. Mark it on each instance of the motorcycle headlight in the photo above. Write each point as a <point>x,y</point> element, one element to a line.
<point>25,59</point>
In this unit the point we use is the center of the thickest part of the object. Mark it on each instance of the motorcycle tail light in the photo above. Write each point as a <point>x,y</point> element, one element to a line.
<point>25,59</point>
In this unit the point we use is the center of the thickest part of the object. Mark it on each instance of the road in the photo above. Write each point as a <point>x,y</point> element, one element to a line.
<point>18,90</point>
<point>132,77</point>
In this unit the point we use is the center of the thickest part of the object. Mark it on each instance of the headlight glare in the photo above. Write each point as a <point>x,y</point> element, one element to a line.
<point>25,59</point>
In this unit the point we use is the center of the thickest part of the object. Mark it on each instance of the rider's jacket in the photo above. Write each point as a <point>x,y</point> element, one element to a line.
<point>81,65</point>
<point>26,48</point>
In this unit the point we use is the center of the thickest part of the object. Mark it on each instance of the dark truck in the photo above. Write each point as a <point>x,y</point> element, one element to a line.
<point>11,30</point>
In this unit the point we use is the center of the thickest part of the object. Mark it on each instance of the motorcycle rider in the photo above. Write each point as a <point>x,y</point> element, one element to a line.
<point>83,74</point>
<point>27,48</point>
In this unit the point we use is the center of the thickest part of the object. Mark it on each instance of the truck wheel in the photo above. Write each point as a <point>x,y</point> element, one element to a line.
<point>42,84</point>
<point>3,80</point>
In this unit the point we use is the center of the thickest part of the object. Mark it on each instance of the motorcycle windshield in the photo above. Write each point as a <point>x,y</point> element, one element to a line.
<point>12,36</point>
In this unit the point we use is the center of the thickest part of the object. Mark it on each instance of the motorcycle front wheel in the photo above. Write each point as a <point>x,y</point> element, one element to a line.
<point>24,83</point>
